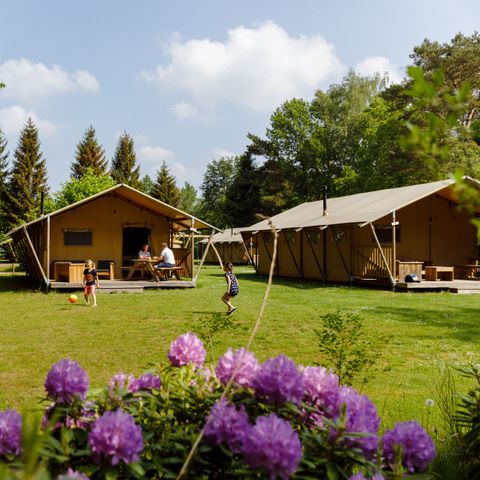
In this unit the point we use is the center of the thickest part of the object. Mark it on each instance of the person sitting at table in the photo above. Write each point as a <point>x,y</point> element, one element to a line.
<point>167,259</point>
<point>144,253</point>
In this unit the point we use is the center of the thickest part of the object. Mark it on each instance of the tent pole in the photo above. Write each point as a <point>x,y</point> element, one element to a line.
<point>203,257</point>
<point>219,258</point>
<point>392,280</point>
<point>37,261</point>
<point>48,246</point>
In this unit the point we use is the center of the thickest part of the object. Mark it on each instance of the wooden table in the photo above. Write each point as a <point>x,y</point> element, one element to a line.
<point>434,273</point>
<point>142,265</point>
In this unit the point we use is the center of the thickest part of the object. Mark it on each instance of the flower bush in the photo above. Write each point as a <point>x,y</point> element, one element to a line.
<point>279,421</point>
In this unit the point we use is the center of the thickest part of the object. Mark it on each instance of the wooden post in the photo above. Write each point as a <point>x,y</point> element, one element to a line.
<point>392,279</point>
<point>219,258</point>
<point>35,256</point>
<point>48,246</point>
<point>394,242</point>
<point>203,257</point>
<point>325,255</point>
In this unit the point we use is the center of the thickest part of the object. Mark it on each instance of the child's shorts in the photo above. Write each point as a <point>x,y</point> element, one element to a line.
<point>89,289</point>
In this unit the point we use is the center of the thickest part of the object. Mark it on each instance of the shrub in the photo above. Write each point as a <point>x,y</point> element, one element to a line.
<point>278,420</point>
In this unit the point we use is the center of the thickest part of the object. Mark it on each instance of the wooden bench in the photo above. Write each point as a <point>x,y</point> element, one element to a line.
<point>467,271</point>
<point>434,273</point>
<point>163,271</point>
<point>106,268</point>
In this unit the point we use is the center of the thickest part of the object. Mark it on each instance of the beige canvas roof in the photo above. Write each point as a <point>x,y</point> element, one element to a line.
<point>230,235</point>
<point>356,209</point>
<point>180,220</point>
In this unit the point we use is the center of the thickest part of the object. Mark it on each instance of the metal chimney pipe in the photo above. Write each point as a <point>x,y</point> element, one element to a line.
<point>324,189</point>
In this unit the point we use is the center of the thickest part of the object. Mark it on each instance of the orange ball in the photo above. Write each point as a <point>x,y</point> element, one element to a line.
<point>73,299</point>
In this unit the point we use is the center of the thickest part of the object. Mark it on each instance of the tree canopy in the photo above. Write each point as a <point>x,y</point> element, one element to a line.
<point>124,163</point>
<point>27,180</point>
<point>89,154</point>
<point>165,187</point>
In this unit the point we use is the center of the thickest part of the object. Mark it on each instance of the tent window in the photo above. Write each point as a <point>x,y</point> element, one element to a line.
<point>77,237</point>
<point>384,234</point>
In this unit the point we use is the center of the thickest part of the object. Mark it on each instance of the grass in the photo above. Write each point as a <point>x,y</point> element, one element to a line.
<point>127,331</point>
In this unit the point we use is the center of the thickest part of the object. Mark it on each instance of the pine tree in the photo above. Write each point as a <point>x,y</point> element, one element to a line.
<point>27,179</point>
<point>3,178</point>
<point>242,201</point>
<point>89,154</point>
<point>165,188</point>
<point>124,169</point>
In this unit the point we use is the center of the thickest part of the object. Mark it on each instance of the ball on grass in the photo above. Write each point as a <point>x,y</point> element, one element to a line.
<point>73,299</point>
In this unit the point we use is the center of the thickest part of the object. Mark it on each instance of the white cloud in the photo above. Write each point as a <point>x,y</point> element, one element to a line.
<point>372,65</point>
<point>184,110</point>
<point>257,67</point>
<point>13,119</point>
<point>219,153</point>
<point>28,81</point>
<point>156,155</point>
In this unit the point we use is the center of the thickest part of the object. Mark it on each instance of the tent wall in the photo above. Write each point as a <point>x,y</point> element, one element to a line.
<point>233,252</point>
<point>105,217</point>
<point>431,229</point>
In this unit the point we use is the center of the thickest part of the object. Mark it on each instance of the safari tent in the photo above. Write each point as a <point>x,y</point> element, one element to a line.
<point>373,236</point>
<point>230,246</point>
<point>109,228</point>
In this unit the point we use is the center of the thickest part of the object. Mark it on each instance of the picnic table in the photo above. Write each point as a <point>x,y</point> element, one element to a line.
<point>142,265</point>
<point>147,265</point>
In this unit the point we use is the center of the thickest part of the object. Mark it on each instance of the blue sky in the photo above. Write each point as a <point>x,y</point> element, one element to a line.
<point>188,79</point>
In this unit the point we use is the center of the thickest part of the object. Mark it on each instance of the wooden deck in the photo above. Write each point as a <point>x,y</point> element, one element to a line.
<point>454,286</point>
<point>132,286</point>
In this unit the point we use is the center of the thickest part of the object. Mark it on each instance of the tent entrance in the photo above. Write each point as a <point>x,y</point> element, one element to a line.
<point>133,239</point>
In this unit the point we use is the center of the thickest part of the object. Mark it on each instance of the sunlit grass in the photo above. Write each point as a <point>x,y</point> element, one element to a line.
<point>127,331</point>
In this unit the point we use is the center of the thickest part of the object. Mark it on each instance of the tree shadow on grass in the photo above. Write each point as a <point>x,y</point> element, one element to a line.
<point>461,324</point>
<point>283,281</point>
<point>12,283</point>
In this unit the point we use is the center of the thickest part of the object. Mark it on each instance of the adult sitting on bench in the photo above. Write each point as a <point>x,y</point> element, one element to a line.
<point>167,259</point>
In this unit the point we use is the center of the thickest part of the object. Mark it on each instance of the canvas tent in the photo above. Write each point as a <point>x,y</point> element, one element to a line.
<point>111,225</point>
<point>230,246</point>
<point>367,234</point>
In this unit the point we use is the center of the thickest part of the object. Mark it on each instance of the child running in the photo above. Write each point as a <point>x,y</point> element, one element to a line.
<point>232,287</point>
<point>90,281</point>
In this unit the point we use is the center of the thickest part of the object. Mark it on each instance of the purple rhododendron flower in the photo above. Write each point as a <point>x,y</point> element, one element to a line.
<point>115,436</point>
<point>361,417</point>
<point>185,349</point>
<point>278,381</point>
<point>122,381</point>
<point>242,360</point>
<point>88,415</point>
<point>10,432</point>
<point>146,381</point>
<point>321,389</point>
<point>418,449</point>
<point>273,445</point>
<point>226,424</point>
<point>361,476</point>
<point>65,381</point>
<point>72,475</point>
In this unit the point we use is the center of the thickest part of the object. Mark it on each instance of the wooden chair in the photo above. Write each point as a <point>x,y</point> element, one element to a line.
<point>106,269</point>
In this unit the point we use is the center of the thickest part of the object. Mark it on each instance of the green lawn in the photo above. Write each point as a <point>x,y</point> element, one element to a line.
<point>127,331</point>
